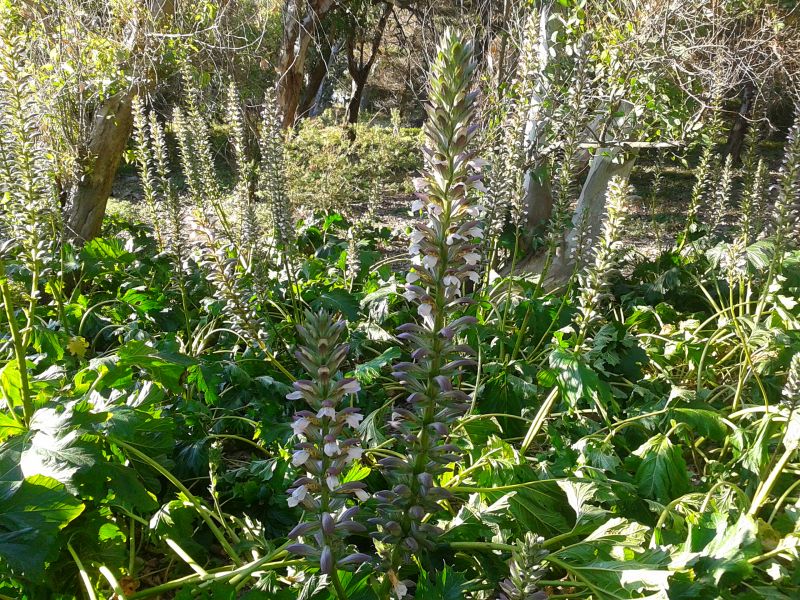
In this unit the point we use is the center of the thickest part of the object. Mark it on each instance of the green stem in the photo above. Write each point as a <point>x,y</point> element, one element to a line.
<point>19,351</point>
<point>191,497</point>
<point>481,546</point>
<point>87,583</point>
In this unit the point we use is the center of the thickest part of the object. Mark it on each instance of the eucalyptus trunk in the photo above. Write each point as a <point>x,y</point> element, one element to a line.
<point>299,28</point>
<point>86,206</point>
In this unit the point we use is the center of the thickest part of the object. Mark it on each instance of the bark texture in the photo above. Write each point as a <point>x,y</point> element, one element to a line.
<point>741,123</point>
<point>299,27</point>
<point>86,206</point>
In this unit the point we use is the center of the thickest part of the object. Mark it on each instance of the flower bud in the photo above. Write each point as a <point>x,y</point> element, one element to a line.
<point>326,561</point>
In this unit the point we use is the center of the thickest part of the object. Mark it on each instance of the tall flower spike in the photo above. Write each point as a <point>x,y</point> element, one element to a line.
<point>445,252</point>
<point>786,219</point>
<point>144,159</point>
<point>328,445</point>
<point>175,226</point>
<point>272,174</point>
<point>596,278</point>
<point>245,168</point>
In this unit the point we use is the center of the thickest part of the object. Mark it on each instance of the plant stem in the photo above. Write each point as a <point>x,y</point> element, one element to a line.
<point>192,498</point>
<point>87,583</point>
<point>19,350</point>
<point>481,546</point>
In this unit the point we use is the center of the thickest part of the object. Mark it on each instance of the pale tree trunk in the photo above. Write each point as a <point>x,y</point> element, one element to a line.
<point>587,222</point>
<point>298,32</point>
<point>316,80</point>
<point>322,96</point>
<point>86,206</point>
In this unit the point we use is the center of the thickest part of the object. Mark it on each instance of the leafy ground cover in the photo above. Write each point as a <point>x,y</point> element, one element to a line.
<point>196,407</point>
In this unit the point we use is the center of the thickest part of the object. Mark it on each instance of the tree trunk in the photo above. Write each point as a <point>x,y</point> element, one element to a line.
<point>587,221</point>
<point>356,96</point>
<point>315,81</point>
<point>740,125</point>
<point>360,68</point>
<point>324,93</point>
<point>86,207</point>
<point>297,36</point>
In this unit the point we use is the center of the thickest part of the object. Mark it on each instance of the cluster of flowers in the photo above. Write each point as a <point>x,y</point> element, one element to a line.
<point>272,174</point>
<point>328,446</point>
<point>787,203</point>
<point>445,253</point>
<point>597,276</point>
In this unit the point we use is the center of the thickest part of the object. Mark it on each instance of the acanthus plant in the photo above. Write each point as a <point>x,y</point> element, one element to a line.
<point>328,445</point>
<point>445,254</point>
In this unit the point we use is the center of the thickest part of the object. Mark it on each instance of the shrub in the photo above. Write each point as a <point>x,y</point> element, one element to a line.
<point>329,171</point>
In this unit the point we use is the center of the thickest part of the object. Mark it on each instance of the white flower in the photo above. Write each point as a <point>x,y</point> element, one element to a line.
<point>417,236</point>
<point>417,205</point>
<point>294,395</point>
<point>475,210</point>
<point>430,261</point>
<point>451,280</point>
<point>300,425</point>
<point>419,183</point>
<point>331,448</point>
<point>472,258</point>
<point>326,411</point>
<point>475,232</point>
<point>298,495</point>
<point>478,163</point>
<point>412,277</point>
<point>413,249</point>
<point>473,275</point>
<point>424,310</point>
<point>362,495</point>
<point>453,237</point>
<point>354,453</point>
<point>332,481</point>
<point>351,387</point>
<point>400,589</point>
<point>300,457</point>
<point>410,295</point>
<point>478,185</point>
<point>353,419</point>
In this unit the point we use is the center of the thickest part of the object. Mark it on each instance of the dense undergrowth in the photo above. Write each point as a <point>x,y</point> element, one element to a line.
<point>206,406</point>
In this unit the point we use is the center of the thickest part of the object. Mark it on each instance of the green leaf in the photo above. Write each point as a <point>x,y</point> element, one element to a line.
<point>577,381</point>
<point>444,585</point>
<point>9,427</point>
<point>369,371</point>
<point>11,384</point>
<point>166,368</point>
<point>702,421</point>
<point>598,562</point>
<point>541,508</point>
<point>30,520</point>
<point>339,300</point>
<point>662,474</point>
<point>718,549</point>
